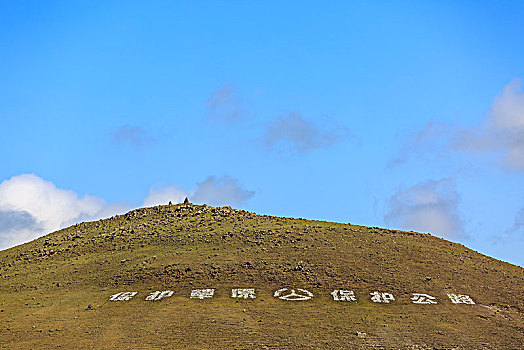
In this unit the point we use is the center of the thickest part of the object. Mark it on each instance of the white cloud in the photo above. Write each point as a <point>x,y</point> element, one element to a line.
<point>500,133</point>
<point>31,207</point>
<point>17,226</point>
<point>292,133</point>
<point>214,191</point>
<point>159,195</point>
<point>507,111</point>
<point>218,191</point>
<point>430,206</point>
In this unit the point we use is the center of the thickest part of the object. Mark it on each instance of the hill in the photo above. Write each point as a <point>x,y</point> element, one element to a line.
<point>87,286</point>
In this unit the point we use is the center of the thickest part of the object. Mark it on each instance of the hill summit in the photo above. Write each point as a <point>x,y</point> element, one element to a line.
<point>191,276</point>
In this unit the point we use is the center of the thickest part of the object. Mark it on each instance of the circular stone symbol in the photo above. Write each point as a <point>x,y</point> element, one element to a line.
<point>293,294</point>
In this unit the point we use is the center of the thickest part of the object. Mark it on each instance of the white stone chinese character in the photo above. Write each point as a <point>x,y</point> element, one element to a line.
<point>343,295</point>
<point>122,296</point>
<point>461,299</point>
<point>419,298</point>
<point>377,297</point>
<point>159,295</point>
<point>245,293</point>
<point>292,295</point>
<point>202,293</point>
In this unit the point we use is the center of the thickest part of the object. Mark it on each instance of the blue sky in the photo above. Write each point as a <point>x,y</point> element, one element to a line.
<point>397,114</point>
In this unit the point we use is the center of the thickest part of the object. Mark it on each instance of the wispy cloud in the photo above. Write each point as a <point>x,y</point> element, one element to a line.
<point>433,139</point>
<point>31,207</point>
<point>133,135</point>
<point>499,134</point>
<point>224,105</point>
<point>294,134</point>
<point>518,224</point>
<point>430,206</point>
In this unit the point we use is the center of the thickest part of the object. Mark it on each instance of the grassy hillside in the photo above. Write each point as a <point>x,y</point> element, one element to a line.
<point>54,291</point>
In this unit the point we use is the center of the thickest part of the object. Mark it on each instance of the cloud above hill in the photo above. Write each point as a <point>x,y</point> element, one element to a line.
<point>17,226</point>
<point>31,207</point>
<point>293,133</point>
<point>430,206</point>
<point>217,191</point>
<point>214,191</point>
<point>159,195</point>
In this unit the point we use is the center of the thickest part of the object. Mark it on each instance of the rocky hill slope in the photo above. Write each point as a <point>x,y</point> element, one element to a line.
<point>190,276</point>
